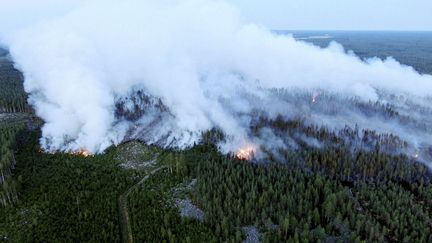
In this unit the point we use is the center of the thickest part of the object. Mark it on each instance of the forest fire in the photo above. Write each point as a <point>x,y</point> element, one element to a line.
<point>246,153</point>
<point>81,152</point>
<point>314,97</point>
<point>84,153</point>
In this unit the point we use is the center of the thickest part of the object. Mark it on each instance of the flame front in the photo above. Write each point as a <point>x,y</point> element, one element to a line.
<point>314,97</point>
<point>84,152</point>
<point>81,152</point>
<point>246,153</point>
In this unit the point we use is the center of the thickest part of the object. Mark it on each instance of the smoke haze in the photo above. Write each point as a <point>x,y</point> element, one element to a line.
<point>187,66</point>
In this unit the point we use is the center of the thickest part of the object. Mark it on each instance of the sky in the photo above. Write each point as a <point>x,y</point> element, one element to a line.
<point>276,14</point>
<point>338,14</point>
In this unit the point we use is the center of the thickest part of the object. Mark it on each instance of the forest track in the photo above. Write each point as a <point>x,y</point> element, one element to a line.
<point>125,224</point>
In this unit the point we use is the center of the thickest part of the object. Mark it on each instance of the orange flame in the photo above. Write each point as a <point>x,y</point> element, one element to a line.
<point>81,152</point>
<point>246,153</point>
<point>84,153</point>
<point>314,97</point>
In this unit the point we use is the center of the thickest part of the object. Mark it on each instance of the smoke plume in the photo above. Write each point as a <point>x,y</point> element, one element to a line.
<point>99,72</point>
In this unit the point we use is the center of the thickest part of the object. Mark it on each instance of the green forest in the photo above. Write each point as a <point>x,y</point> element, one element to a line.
<point>73,198</point>
<point>12,95</point>
<point>134,192</point>
<point>8,135</point>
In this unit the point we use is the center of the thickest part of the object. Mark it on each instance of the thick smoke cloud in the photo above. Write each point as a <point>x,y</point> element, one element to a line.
<point>208,68</point>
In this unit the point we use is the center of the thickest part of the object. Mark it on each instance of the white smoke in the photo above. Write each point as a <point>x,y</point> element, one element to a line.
<point>197,56</point>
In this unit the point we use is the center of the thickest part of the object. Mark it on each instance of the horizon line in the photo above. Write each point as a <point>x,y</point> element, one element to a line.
<point>351,30</point>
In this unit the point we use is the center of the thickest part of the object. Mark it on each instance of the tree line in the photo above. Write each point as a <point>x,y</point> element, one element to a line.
<point>12,95</point>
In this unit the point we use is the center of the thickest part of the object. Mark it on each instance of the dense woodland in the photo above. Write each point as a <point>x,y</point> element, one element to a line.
<point>291,203</point>
<point>12,100</point>
<point>64,197</point>
<point>348,154</point>
<point>12,95</point>
<point>410,48</point>
<point>75,198</point>
<point>8,137</point>
<point>355,186</point>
